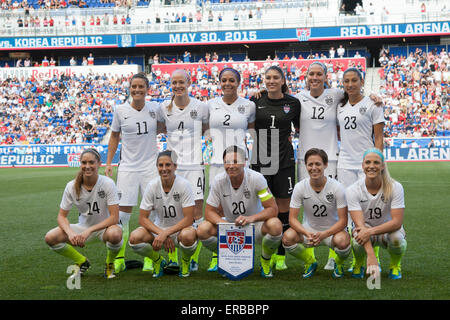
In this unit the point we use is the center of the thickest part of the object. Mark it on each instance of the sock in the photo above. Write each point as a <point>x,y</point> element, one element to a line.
<point>66,250</point>
<point>376,250</point>
<point>145,249</point>
<point>341,255</point>
<point>310,252</point>
<point>124,219</point>
<point>396,252</point>
<point>332,254</point>
<point>284,218</point>
<point>270,244</point>
<point>187,252</point>
<point>358,254</point>
<point>173,256</point>
<point>211,244</point>
<point>197,252</point>
<point>300,252</point>
<point>112,251</point>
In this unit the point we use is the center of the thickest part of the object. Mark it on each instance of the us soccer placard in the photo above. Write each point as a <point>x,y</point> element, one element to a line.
<point>236,250</point>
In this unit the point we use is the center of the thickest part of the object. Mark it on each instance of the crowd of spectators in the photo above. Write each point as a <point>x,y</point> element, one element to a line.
<point>75,109</point>
<point>79,109</point>
<point>416,92</point>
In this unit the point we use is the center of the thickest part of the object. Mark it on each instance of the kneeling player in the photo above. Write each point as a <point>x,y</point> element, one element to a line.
<point>97,201</point>
<point>243,196</point>
<point>172,198</point>
<point>325,216</point>
<point>376,205</point>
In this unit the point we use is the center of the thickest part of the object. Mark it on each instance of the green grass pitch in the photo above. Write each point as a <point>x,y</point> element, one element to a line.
<point>29,201</point>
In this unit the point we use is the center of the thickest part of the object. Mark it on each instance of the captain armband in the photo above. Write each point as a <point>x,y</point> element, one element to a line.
<point>264,194</point>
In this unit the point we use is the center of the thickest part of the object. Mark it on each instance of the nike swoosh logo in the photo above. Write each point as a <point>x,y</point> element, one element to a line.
<point>340,112</point>
<point>169,115</point>
<point>199,192</point>
<point>363,201</point>
<point>158,197</point>
<point>226,195</point>
<point>125,118</point>
<point>260,107</point>
<point>306,198</point>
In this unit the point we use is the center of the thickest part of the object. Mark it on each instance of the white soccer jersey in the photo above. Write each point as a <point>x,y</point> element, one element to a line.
<point>168,206</point>
<point>356,128</point>
<point>318,124</point>
<point>92,205</point>
<point>138,135</point>
<point>320,209</point>
<point>228,124</point>
<point>376,210</point>
<point>243,201</point>
<point>184,132</point>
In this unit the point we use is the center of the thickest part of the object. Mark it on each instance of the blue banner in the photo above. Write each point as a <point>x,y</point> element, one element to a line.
<point>417,154</point>
<point>36,155</point>
<point>233,36</point>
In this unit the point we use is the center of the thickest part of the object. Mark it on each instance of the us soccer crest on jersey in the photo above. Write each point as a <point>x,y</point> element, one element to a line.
<point>236,250</point>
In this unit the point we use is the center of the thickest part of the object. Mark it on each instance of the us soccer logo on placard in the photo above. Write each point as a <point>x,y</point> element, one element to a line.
<point>235,241</point>
<point>235,250</point>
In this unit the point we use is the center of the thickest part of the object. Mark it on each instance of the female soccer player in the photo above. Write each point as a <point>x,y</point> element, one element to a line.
<point>272,152</point>
<point>325,216</point>
<point>186,119</point>
<point>242,195</point>
<point>229,118</point>
<point>172,198</point>
<point>96,199</point>
<point>361,126</point>
<point>135,124</point>
<point>376,205</point>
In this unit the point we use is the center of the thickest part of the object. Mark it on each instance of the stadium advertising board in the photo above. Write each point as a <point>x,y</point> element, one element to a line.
<point>254,35</point>
<point>47,73</point>
<point>241,65</point>
<point>36,155</point>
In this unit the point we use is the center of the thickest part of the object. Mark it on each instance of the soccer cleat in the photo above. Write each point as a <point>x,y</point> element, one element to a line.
<point>280,262</point>
<point>148,265</point>
<point>185,269</point>
<point>84,267</point>
<point>330,264</point>
<point>109,271</point>
<point>158,267</point>
<point>310,269</point>
<point>194,265</point>
<point>395,273</point>
<point>213,264</point>
<point>119,265</point>
<point>358,272</point>
<point>338,271</point>
<point>266,269</point>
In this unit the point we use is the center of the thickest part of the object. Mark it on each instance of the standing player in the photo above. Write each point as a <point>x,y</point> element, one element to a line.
<point>376,205</point>
<point>229,118</point>
<point>96,199</point>
<point>243,197</point>
<point>272,152</point>
<point>172,198</point>
<point>135,125</point>
<point>361,126</point>
<point>325,216</point>
<point>186,119</point>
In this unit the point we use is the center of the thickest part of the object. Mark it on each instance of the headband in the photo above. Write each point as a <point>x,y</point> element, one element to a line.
<point>352,69</point>
<point>324,67</point>
<point>232,70</point>
<point>376,151</point>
